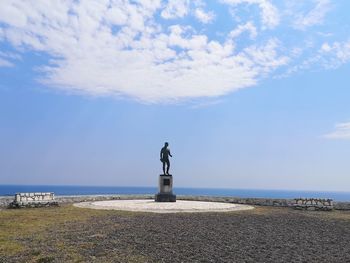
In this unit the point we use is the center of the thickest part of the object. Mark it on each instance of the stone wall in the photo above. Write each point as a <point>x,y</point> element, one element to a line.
<point>5,201</point>
<point>32,197</point>
<point>313,204</point>
<point>341,205</point>
<point>260,201</point>
<point>33,200</point>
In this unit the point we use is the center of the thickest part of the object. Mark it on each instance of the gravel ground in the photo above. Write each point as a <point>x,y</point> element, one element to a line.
<point>258,235</point>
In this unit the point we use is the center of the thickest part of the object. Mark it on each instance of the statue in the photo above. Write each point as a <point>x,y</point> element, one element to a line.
<point>165,193</point>
<point>164,158</point>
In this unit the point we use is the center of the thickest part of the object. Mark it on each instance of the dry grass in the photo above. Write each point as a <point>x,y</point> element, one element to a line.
<point>15,223</point>
<point>19,225</point>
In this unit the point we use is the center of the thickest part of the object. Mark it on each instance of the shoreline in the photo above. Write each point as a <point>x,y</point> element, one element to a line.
<point>272,202</point>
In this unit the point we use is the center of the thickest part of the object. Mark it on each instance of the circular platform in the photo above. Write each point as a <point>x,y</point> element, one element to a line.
<point>149,205</point>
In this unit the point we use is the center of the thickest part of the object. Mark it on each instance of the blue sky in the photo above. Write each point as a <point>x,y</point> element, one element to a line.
<point>249,93</point>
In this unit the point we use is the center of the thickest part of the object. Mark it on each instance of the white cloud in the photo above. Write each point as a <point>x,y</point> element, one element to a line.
<point>335,54</point>
<point>269,13</point>
<point>341,50</point>
<point>12,15</point>
<point>10,55</point>
<point>266,57</point>
<point>204,17</point>
<point>326,48</point>
<point>249,27</point>
<point>314,17</point>
<point>118,48</point>
<point>5,63</point>
<point>342,131</point>
<point>7,57</point>
<point>176,9</point>
<point>270,16</point>
<point>126,48</point>
<point>326,56</point>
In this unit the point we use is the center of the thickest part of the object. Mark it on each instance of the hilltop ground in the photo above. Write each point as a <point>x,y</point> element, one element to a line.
<point>265,234</point>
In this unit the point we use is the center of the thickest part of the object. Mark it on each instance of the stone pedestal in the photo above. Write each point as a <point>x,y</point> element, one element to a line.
<point>165,193</point>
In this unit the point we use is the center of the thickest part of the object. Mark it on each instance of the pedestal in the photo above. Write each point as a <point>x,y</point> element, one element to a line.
<point>165,193</point>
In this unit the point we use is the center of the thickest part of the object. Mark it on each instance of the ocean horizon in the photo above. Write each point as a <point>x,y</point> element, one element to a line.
<point>10,190</point>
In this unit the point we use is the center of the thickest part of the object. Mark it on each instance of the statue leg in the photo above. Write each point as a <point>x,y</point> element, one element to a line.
<point>163,167</point>
<point>168,166</point>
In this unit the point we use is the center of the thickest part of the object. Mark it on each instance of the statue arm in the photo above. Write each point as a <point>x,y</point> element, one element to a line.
<point>170,154</point>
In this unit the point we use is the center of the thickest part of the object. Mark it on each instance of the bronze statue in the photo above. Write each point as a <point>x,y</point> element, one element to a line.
<point>164,158</point>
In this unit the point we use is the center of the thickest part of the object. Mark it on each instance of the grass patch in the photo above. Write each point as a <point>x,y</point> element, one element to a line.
<point>46,259</point>
<point>18,224</point>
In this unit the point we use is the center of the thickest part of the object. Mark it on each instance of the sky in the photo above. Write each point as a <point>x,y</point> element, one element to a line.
<point>248,93</point>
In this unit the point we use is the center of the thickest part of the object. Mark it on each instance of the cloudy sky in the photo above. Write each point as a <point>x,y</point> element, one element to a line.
<point>249,93</point>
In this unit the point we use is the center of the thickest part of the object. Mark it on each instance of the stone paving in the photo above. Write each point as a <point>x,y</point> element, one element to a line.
<point>164,207</point>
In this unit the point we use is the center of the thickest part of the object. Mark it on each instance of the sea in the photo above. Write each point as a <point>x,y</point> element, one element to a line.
<point>10,190</point>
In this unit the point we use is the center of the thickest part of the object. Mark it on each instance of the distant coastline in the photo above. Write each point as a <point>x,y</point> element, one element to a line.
<point>10,190</point>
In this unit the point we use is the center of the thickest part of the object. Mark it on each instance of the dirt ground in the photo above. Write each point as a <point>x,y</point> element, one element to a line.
<point>265,234</point>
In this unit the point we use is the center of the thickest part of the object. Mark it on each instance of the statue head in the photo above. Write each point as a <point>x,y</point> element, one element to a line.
<point>166,144</point>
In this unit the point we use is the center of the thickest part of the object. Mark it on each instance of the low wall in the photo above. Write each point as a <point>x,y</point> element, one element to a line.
<point>5,201</point>
<point>34,197</point>
<point>341,205</point>
<point>259,201</point>
<point>313,204</point>
<point>33,200</point>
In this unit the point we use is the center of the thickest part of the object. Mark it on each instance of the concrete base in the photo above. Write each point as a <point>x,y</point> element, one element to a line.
<point>160,197</point>
<point>165,184</point>
<point>165,193</point>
